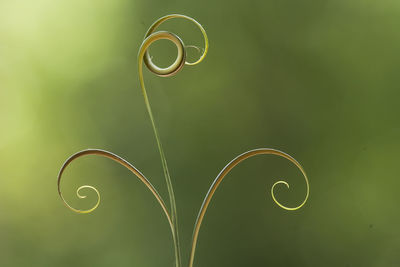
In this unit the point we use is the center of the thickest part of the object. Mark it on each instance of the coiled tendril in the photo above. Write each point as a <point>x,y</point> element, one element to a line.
<point>226,170</point>
<point>144,57</point>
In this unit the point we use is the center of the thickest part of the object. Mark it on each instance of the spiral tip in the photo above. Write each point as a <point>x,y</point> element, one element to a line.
<point>82,197</point>
<point>281,205</point>
<point>200,50</point>
<point>80,188</point>
<point>282,182</point>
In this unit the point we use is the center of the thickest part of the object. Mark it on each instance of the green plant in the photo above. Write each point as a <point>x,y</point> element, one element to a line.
<point>171,214</point>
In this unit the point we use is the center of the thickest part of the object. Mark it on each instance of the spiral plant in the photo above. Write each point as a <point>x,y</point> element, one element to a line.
<point>152,36</point>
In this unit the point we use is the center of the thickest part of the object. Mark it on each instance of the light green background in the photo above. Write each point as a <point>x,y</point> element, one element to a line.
<point>316,79</point>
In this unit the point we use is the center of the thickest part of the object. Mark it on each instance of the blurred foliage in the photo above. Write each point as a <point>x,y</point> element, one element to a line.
<point>318,80</point>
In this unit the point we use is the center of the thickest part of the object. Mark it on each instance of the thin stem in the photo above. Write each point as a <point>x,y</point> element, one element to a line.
<point>167,179</point>
<point>144,56</point>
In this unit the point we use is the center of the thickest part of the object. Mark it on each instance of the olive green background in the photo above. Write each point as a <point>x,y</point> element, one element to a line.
<point>316,79</point>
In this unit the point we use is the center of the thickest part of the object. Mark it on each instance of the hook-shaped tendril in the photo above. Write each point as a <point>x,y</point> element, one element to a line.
<point>144,56</point>
<point>119,160</point>
<point>222,175</point>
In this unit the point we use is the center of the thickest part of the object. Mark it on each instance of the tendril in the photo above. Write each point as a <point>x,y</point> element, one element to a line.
<point>226,170</point>
<point>150,37</point>
<point>119,160</point>
<point>180,61</point>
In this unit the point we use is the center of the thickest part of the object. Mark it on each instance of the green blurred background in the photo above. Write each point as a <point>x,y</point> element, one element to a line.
<point>316,79</point>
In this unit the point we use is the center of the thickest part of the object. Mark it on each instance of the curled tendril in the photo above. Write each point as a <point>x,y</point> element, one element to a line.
<point>84,196</point>
<point>226,170</point>
<point>180,61</point>
<point>150,37</point>
<point>117,159</point>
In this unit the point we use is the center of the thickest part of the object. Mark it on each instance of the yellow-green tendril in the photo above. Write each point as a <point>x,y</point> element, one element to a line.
<point>173,69</point>
<point>226,170</point>
<point>119,160</point>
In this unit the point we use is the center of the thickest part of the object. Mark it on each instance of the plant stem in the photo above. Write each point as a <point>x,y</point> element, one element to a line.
<point>170,188</point>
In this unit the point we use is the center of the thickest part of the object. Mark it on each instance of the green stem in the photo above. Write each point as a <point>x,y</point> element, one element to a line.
<point>144,57</point>
<point>171,194</point>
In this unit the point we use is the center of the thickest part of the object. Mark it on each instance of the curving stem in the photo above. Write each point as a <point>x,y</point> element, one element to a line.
<point>222,175</point>
<point>173,69</point>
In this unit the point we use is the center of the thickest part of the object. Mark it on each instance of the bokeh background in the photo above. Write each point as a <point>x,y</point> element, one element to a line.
<point>316,79</point>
